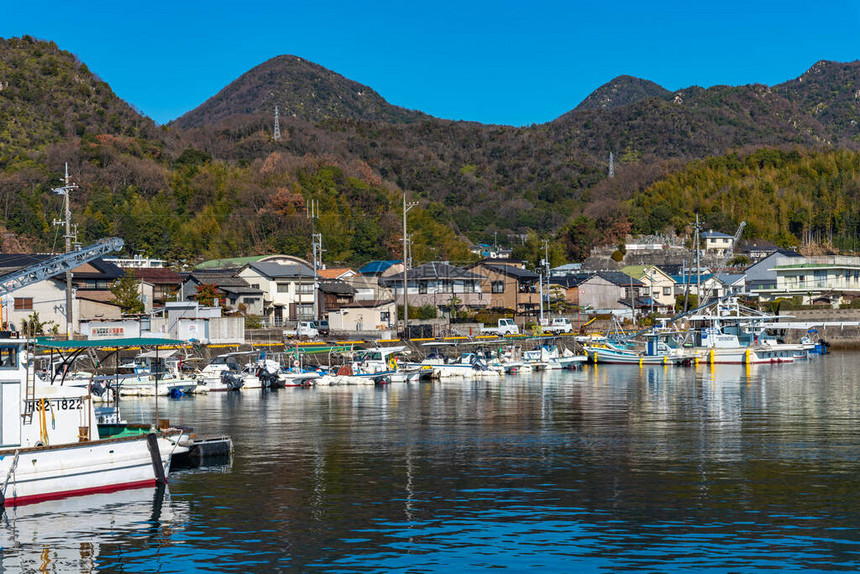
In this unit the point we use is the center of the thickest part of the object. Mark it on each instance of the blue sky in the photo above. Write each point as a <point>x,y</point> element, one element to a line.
<point>500,62</point>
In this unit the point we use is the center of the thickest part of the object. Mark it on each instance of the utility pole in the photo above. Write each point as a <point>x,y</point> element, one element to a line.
<point>652,291</point>
<point>406,208</point>
<point>546,269</point>
<point>698,267</point>
<point>316,247</point>
<point>67,221</point>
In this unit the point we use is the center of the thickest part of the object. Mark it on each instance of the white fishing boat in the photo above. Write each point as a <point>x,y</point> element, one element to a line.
<point>726,332</point>
<point>373,366</point>
<point>157,373</point>
<point>549,357</point>
<point>50,437</point>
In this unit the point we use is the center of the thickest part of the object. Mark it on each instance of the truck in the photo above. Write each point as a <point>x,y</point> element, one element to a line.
<point>505,327</point>
<point>304,329</point>
<point>557,325</point>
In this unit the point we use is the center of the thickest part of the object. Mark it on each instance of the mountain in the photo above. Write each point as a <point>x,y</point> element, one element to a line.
<point>300,89</point>
<point>830,93</point>
<point>622,91</point>
<point>215,183</point>
<point>48,95</point>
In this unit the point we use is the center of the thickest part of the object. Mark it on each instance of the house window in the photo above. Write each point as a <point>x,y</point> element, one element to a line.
<point>422,287</point>
<point>667,291</point>
<point>385,317</point>
<point>255,285</point>
<point>470,286</point>
<point>498,286</point>
<point>8,357</point>
<point>283,287</point>
<point>306,288</point>
<point>306,311</point>
<point>23,303</point>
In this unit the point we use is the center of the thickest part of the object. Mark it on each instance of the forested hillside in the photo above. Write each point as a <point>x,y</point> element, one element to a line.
<point>216,184</point>
<point>790,197</point>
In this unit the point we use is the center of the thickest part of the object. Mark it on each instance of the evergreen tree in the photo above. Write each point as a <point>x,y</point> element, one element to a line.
<point>127,295</point>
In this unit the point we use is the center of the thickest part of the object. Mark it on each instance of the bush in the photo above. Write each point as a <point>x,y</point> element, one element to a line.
<point>426,312</point>
<point>617,255</point>
<point>253,322</point>
<point>692,302</point>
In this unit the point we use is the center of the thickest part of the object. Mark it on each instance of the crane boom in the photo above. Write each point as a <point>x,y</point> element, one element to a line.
<point>738,234</point>
<point>57,265</point>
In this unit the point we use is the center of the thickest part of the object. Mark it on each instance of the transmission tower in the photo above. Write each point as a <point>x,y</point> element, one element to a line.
<point>611,165</point>
<point>277,134</point>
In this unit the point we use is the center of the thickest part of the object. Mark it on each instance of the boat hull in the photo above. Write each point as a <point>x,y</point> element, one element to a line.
<point>46,473</point>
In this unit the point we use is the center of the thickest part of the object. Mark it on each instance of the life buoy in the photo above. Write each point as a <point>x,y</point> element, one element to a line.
<point>296,363</point>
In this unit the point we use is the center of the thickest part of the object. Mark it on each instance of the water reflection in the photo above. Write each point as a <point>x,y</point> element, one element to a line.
<point>70,534</point>
<point>723,468</point>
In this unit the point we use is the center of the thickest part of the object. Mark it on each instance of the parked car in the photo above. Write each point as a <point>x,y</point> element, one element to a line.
<point>558,325</point>
<point>305,329</point>
<point>322,327</point>
<point>505,327</point>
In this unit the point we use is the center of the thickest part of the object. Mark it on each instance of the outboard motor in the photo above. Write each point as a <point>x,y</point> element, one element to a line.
<point>478,363</point>
<point>98,388</point>
<point>234,382</point>
<point>268,379</point>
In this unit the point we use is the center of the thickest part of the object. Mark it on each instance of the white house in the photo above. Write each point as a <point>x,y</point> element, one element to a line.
<point>287,286</point>
<point>47,298</point>
<point>717,243</point>
<point>824,278</point>
<point>658,284</point>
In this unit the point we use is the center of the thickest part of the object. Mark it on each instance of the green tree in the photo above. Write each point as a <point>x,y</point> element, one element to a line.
<point>126,294</point>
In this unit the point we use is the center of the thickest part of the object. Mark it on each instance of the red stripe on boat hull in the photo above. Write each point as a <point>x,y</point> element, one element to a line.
<point>34,498</point>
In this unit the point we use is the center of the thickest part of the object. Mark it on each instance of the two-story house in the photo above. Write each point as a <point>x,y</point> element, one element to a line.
<point>717,243</point>
<point>509,285</point>
<point>91,296</point>
<point>658,285</point>
<point>234,293</point>
<point>288,287</point>
<point>828,278</point>
<point>437,283</point>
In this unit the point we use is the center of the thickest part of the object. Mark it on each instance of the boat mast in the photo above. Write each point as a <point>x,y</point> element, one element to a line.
<point>406,207</point>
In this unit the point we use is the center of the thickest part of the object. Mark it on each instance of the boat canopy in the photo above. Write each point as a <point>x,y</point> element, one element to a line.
<point>104,343</point>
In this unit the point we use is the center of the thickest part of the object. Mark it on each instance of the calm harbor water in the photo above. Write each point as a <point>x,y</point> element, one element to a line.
<point>604,469</point>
